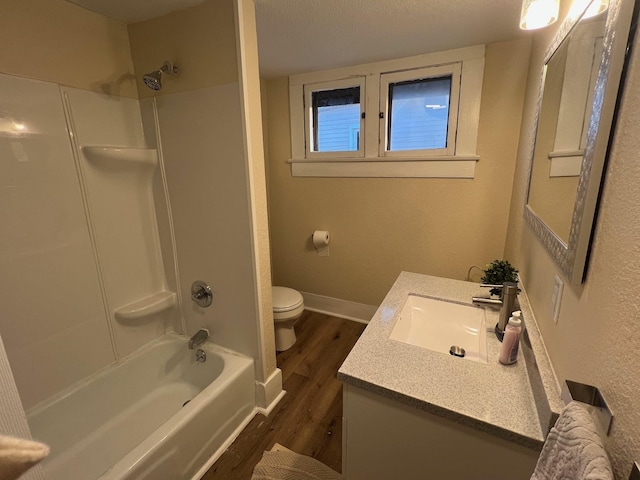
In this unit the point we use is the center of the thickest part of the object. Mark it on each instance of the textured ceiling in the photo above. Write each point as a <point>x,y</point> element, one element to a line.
<point>304,35</point>
<point>298,36</point>
<point>132,11</point>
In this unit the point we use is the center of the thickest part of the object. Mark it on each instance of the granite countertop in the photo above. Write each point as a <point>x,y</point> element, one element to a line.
<point>516,402</point>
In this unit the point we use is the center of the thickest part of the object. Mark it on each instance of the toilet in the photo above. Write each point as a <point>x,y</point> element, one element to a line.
<point>288,305</point>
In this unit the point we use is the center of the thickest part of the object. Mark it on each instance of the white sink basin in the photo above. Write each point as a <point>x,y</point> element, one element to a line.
<point>439,325</point>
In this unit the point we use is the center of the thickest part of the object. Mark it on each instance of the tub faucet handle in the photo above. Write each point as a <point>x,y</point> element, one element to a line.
<point>201,293</point>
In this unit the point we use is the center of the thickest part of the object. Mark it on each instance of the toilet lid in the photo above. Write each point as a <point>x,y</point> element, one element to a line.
<point>285,299</point>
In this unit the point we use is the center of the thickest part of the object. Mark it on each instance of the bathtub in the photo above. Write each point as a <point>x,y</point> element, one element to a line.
<point>128,421</point>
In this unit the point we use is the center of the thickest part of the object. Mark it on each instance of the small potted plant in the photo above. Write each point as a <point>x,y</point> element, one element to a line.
<point>498,272</point>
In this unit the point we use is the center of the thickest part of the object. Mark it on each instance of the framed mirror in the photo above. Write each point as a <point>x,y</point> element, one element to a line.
<point>577,101</point>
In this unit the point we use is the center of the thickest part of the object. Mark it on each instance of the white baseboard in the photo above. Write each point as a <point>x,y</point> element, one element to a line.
<point>269,393</point>
<point>358,312</point>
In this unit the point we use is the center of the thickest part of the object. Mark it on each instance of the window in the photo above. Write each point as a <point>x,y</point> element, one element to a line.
<point>410,117</point>
<point>334,117</point>
<point>420,110</point>
<point>418,114</point>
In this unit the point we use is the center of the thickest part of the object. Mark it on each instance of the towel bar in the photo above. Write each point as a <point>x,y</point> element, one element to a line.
<point>589,395</point>
<point>635,472</point>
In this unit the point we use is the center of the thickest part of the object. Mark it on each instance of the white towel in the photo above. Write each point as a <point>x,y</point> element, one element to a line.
<point>573,449</point>
<point>287,465</point>
<point>17,456</point>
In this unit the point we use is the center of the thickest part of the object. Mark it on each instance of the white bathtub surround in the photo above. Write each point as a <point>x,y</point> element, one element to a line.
<point>85,230</point>
<point>269,393</point>
<point>336,307</point>
<point>45,242</point>
<point>116,171</point>
<point>505,403</point>
<point>199,135</point>
<point>128,421</point>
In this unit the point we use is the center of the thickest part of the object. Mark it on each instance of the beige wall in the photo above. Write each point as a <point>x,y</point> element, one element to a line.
<point>59,42</point>
<point>381,226</point>
<point>597,338</point>
<point>200,41</point>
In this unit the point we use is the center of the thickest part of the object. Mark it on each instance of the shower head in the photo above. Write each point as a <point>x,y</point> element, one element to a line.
<point>153,80</point>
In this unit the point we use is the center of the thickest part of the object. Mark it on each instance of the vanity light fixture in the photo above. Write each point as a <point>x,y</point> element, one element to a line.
<point>538,13</point>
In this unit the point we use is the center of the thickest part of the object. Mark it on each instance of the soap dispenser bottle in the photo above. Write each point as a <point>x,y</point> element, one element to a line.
<point>511,342</point>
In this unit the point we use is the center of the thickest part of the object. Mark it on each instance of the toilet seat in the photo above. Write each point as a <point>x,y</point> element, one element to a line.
<point>285,299</point>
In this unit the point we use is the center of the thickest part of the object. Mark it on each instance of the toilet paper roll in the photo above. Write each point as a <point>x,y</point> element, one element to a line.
<point>320,240</point>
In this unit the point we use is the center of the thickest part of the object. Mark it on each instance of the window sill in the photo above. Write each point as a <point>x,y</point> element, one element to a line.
<point>459,166</point>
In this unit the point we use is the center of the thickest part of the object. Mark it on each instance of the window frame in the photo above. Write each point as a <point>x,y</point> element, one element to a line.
<point>461,164</point>
<point>309,89</point>
<point>386,79</point>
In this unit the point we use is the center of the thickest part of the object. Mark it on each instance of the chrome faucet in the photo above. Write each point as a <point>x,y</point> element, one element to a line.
<point>508,295</point>
<point>199,338</point>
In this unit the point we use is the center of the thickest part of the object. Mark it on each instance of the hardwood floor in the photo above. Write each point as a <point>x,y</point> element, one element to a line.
<point>308,420</point>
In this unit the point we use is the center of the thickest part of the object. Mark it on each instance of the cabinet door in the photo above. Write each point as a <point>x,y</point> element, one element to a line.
<point>384,439</point>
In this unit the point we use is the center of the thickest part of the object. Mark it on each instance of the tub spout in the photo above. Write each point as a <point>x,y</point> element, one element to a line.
<point>199,338</point>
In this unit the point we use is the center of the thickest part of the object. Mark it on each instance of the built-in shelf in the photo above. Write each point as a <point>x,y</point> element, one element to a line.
<point>143,156</point>
<point>147,306</point>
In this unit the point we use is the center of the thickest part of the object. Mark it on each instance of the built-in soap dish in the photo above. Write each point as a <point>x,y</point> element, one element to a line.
<point>147,306</point>
<point>131,155</point>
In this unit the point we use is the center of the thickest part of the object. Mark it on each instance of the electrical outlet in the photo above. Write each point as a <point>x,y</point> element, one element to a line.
<point>556,298</point>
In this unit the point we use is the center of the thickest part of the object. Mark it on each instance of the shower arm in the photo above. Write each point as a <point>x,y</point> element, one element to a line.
<point>167,67</point>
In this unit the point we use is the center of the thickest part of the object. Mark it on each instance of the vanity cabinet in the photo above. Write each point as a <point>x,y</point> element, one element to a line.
<point>384,439</point>
<point>411,412</point>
